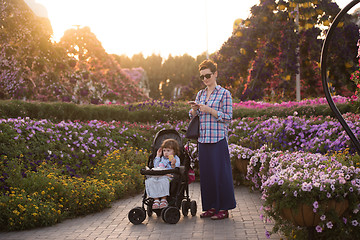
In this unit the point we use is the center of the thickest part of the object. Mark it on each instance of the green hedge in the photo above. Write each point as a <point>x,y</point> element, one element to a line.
<point>162,111</point>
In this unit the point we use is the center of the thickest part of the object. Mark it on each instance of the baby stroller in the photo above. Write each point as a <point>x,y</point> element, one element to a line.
<point>179,186</point>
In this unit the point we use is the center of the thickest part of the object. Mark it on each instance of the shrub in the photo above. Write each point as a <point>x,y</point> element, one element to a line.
<point>45,195</point>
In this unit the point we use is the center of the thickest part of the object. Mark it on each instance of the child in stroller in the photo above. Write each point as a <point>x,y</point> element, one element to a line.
<point>179,189</point>
<point>159,186</point>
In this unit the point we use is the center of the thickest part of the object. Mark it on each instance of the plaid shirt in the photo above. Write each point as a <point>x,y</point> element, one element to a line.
<point>213,130</point>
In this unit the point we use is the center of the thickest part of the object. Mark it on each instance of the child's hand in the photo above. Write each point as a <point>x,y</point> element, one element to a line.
<point>159,152</point>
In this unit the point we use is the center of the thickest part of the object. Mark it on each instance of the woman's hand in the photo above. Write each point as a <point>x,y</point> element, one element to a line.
<point>207,109</point>
<point>194,107</point>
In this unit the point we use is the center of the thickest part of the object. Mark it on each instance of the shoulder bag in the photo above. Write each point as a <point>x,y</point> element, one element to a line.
<point>193,130</point>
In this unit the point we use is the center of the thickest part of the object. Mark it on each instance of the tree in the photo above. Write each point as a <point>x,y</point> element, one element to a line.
<point>77,69</point>
<point>30,66</point>
<point>168,77</point>
<point>261,58</point>
<point>98,76</point>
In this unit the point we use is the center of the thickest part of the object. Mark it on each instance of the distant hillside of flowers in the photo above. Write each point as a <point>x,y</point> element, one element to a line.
<point>305,102</point>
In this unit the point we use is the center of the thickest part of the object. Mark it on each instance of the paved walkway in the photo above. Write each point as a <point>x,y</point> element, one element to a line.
<point>244,223</point>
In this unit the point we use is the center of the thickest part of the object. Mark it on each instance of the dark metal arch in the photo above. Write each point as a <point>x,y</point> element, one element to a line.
<point>323,59</point>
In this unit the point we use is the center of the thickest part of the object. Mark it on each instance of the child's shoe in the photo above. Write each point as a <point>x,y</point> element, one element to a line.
<point>156,204</point>
<point>163,203</point>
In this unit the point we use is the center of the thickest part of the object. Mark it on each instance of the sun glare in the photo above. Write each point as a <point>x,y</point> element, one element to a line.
<point>159,26</point>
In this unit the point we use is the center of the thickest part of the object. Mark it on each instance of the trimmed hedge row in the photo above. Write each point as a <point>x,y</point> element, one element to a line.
<point>151,111</point>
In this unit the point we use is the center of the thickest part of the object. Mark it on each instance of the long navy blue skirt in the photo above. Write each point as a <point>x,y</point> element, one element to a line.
<point>216,182</point>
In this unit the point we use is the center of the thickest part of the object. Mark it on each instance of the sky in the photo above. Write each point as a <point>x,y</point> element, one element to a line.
<point>150,26</point>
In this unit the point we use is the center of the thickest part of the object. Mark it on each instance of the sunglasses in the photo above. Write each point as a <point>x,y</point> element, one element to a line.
<point>207,76</point>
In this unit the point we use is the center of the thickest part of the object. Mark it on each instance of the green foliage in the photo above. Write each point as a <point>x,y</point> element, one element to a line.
<point>259,61</point>
<point>46,195</point>
<point>77,69</point>
<point>181,71</point>
<point>149,111</point>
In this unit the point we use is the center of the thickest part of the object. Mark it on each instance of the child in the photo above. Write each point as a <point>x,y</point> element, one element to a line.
<point>157,187</point>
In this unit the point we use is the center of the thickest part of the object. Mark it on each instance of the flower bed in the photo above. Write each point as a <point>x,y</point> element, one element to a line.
<point>80,157</point>
<point>304,102</point>
<point>310,134</point>
<point>44,195</point>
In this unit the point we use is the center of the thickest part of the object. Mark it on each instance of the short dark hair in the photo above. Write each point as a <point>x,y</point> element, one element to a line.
<point>208,64</point>
<point>172,144</point>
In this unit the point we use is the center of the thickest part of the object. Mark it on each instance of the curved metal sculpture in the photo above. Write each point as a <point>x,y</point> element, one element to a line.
<point>323,59</point>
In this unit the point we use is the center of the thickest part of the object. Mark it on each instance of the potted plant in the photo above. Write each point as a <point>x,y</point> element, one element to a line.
<point>310,190</point>
<point>240,158</point>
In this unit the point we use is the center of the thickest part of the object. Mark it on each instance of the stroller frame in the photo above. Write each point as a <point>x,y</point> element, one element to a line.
<point>179,193</point>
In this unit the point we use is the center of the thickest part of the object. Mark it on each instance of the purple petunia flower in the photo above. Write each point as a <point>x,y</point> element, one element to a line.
<point>354,222</point>
<point>329,224</point>
<point>318,229</point>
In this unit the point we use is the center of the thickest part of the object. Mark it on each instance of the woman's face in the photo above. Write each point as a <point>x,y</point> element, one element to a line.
<point>167,152</point>
<point>208,78</point>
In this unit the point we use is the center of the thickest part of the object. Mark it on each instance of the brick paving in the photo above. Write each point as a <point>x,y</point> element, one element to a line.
<point>244,223</point>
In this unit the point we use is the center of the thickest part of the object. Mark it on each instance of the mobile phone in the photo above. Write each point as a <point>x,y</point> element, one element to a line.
<point>192,102</point>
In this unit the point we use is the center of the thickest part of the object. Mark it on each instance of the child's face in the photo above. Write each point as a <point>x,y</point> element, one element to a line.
<point>167,152</point>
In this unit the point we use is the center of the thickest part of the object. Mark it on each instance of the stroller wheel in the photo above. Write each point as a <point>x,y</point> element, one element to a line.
<point>185,208</point>
<point>163,213</point>
<point>171,215</point>
<point>137,215</point>
<point>193,208</point>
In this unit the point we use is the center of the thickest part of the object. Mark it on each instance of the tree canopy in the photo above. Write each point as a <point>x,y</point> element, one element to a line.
<point>76,69</point>
<point>260,60</point>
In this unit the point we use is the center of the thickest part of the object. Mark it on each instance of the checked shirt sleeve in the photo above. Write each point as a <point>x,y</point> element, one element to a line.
<point>225,114</point>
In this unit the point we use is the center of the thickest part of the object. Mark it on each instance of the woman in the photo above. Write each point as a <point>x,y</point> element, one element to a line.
<point>214,106</point>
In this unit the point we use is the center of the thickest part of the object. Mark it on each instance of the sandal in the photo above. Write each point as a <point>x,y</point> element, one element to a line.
<point>156,204</point>
<point>163,203</point>
<point>220,215</point>
<point>208,213</point>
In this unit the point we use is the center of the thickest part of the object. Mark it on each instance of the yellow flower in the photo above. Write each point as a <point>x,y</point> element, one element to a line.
<point>282,7</point>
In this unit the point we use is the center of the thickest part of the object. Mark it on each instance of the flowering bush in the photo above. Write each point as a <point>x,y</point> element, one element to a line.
<point>293,133</point>
<point>259,166</point>
<point>73,146</point>
<point>288,104</point>
<point>45,195</point>
<point>312,179</point>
